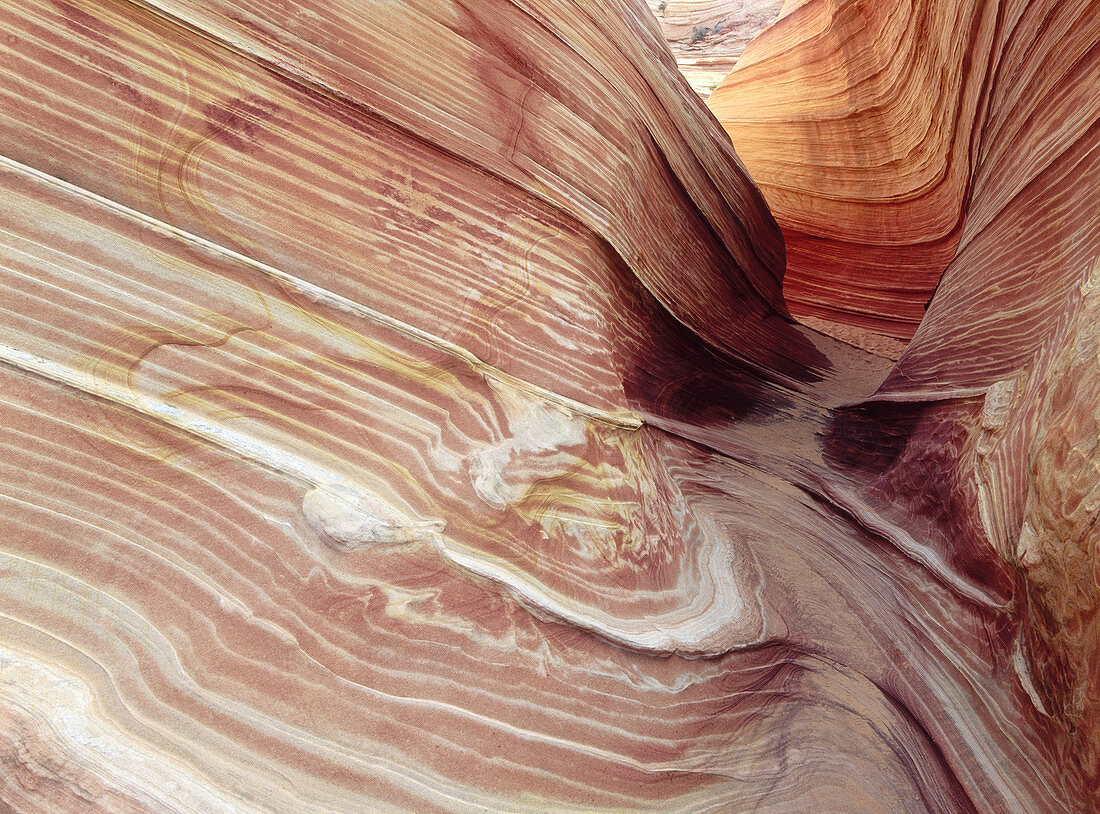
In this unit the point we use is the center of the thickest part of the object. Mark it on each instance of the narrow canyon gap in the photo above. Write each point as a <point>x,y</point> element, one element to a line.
<point>401,409</point>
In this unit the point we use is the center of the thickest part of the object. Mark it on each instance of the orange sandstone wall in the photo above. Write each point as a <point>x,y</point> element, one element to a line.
<point>858,120</point>
<point>943,155</point>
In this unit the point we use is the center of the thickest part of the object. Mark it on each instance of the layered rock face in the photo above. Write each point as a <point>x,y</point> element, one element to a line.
<point>708,36</point>
<point>972,176</point>
<point>863,124</point>
<point>401,412</point>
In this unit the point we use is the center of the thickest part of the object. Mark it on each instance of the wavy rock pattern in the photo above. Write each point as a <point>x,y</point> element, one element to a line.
<point>860,121</point>
<point>995,134</point>
<point>429,434</point>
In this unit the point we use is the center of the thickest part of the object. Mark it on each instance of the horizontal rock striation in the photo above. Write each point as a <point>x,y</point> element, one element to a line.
<point>401,412</point>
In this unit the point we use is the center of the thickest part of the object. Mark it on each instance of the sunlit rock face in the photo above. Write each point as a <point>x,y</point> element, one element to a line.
<point>401,412</point>
<point>707,36</point>
<point>866,125</point>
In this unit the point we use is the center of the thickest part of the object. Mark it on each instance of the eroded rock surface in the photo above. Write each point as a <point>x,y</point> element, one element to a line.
<point>707,36</point>
<point>870,127</point>
<point>401,412</point>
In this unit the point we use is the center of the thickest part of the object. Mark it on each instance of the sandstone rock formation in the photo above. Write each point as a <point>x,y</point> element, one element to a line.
<point>862,122</point>
<point>401,412</point>
<point>707,36</point>
<point>952,149</point>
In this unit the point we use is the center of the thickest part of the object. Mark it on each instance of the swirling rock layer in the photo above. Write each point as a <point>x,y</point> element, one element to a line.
<point>949,149</point>
<point>861,123</point>
<point>400,412</point>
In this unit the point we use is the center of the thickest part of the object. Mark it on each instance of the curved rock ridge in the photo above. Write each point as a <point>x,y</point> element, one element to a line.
<point>240,110</point>
<point>400,412</point>
<point>1014,320</point>
<point>858,120</point>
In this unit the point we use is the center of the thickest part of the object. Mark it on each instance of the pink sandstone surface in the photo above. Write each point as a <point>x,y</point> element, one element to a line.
<point>401,410</point>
